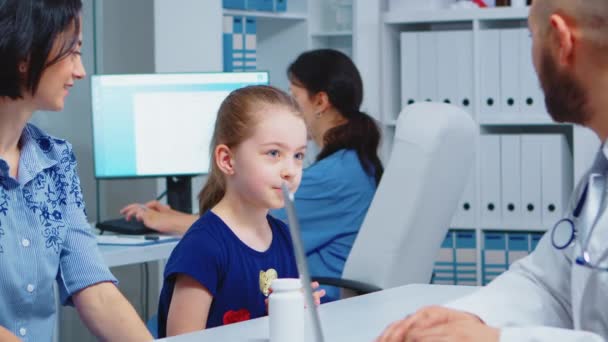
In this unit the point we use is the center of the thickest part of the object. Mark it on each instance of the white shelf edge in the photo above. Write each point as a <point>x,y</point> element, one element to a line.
<point>269,15</point>
<point>332,34</point>
<point>510,228</point>
<point>520,119</point>
<point>451,15</point>
<point>516,119</point>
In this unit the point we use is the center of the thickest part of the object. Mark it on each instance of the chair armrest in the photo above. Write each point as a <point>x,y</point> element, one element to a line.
<point>358,287</point>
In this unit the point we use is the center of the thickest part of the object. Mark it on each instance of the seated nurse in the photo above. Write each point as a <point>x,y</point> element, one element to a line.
<point>337,189</point>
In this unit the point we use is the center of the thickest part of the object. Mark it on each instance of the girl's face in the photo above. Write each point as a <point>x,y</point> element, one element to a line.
<point>272,156</point>
<point>57,79</point>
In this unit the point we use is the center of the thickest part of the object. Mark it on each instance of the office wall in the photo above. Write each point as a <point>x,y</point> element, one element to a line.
<point>188,35</point>
<point>124,45</point>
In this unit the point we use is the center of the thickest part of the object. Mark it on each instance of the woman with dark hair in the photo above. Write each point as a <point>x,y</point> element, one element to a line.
<point>44,234</point>
<point>337,189</point>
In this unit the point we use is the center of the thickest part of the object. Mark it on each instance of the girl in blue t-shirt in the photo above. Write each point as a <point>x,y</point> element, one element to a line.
<point>221,270</point>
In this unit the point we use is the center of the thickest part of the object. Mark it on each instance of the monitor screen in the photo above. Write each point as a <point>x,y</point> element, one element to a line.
<point>158,124</point>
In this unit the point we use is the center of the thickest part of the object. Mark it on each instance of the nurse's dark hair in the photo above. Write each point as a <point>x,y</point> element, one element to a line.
<point>30,31</point>
<point>236,121</point>
<point>335,74</point>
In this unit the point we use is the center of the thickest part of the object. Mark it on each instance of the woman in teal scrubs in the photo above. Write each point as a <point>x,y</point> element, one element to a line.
<point>337,189</point>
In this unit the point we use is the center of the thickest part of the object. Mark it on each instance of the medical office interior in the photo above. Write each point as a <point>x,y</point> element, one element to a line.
<point>407,51</point>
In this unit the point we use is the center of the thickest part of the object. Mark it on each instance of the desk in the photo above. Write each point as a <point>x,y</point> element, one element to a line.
<point>360,318</point>
<point>128,255</point>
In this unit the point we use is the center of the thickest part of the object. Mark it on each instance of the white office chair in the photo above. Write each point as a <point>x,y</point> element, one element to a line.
<point>433,152</point>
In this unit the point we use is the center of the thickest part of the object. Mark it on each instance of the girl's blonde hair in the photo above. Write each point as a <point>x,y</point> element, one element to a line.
<point>235,122</point>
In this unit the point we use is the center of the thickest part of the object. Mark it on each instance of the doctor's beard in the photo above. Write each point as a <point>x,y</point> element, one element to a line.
<point>565,98</point>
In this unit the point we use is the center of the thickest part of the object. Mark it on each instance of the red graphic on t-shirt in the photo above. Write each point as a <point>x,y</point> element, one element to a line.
<point>232,316</point>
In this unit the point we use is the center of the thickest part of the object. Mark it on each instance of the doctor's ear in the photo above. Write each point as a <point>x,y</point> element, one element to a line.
<point>223,159</point>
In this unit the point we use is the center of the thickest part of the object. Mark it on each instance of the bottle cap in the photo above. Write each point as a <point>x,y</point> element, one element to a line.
<point>286,284</point>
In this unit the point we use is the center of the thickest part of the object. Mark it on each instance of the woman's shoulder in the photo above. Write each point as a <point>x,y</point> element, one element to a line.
<point>51,147</point>
<point>45,141</point>
<point>343,158</point>
<point>342,166</point>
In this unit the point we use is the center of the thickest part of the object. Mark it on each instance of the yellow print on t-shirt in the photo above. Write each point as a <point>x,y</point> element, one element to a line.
<point>266,279</point>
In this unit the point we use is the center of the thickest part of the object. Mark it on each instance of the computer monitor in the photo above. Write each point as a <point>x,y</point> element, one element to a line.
<point>153,125</point>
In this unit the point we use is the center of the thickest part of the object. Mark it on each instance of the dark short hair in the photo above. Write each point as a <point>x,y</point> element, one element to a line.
<point>29,29</point>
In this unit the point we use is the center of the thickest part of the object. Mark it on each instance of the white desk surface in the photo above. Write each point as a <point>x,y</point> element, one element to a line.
<point>360,318</point>
<point>127,255</point>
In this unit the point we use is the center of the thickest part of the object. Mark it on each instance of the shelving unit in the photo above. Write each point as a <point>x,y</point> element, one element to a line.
<point>282,36</point>
<point>331,26</point>
<point>496,119</point>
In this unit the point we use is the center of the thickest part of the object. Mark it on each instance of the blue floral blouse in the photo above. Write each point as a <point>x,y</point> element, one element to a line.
<point>44,237</point>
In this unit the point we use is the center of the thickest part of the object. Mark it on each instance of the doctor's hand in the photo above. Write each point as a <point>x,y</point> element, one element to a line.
<point>439,324</point>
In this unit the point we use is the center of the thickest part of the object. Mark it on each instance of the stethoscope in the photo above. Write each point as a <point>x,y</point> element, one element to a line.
<point>565,232</point>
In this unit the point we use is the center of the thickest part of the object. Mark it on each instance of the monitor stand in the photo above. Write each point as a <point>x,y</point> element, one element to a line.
<point>179,193</point>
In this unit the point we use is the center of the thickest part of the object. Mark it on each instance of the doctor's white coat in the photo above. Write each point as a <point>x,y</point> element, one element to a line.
<point>547,296</point>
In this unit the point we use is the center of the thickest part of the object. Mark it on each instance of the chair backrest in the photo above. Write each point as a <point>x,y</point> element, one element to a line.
<point>433,151</point>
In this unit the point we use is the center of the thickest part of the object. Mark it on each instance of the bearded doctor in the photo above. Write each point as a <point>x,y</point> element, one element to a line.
<point>560,291</point>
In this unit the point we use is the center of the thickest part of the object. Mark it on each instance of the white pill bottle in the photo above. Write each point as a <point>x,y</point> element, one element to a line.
<point>286,311</point>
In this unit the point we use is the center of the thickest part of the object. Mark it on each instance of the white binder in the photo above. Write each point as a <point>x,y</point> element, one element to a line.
<point>556,177</point>
<point>531,148</point>
<point>490,201</point>
<point>509,71</point>
<point>447,66</point>
<point>455,68</point>
<point>409,68</point>
<point>466,213</point>
<point>531,98</point>
<point>464,62</point>
<point>510,146</point>
<point>427,59</point>
<point>489,68</point>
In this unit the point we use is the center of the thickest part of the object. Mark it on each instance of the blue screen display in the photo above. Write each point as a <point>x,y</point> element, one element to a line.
<point>158,124</point>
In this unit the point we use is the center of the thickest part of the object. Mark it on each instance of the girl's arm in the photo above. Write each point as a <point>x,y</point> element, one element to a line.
<point>189,307</point>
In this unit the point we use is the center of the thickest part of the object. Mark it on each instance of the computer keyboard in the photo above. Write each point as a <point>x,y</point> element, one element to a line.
<point>122,226</point>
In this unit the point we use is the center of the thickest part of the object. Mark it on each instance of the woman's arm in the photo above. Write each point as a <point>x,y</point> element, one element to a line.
<point>7,336</point>
<point>108,315</point>
<point>158,216</point>
<point>189,307</point>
